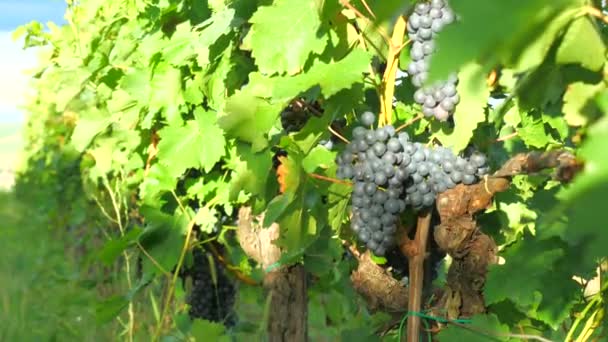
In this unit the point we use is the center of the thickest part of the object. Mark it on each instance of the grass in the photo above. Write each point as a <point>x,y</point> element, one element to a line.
<point>42,295</point>
<point>11,143</point>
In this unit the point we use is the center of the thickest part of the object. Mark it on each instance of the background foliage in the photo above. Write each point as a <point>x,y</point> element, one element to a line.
<point>152,118</point>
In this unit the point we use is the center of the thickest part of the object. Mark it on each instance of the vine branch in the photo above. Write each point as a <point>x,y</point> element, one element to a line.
<point>416,271</point>
<point>388,79</point>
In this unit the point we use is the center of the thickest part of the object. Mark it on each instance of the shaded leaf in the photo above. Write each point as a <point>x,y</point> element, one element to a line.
<point>582,44</point>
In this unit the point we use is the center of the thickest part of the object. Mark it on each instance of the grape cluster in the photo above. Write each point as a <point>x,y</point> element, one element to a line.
<point>209,300</point>
<point>428,18</point>
<point>389,172</point>
<point>297,114</point>
<point>293,121</point>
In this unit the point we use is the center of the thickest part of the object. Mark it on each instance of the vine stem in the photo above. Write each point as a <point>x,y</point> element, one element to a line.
<point>416,270</point>
<point>328,179</point>
<point>116,207</point>
<point>333,131</point>
<point>390,73</point>
<point>180,262</point>
<point>369,10</point>
<point>348,5</point>
<point>409,123</point>
<point>508,136</point>
<point>594,12</point>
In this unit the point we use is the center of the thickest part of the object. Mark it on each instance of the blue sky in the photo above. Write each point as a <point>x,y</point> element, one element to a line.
<point>18,12</point>
<point>14,61</point>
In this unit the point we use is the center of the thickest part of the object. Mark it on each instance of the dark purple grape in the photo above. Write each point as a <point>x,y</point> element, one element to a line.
<point>422,8</point>
<point>380,197</point>
<point>400,174</point>
<point>372,245</point>
<point>381,135</point>
<point>415,199</point>
<point>478,159</point>
<point>428,199</point>
<point>392,206</point>
<point>379,149</point>
<point>377,210</point>
<point>380,178</point>
<point>378,236</point>
<point>370,189</point>
<point>359,133</point>
<point>390,158</point>
<point>425,22</point>
<point>359,188</point>
<point>374,224</point>
<point>390,229</point>
<point>456,176</point>
<point>370,137</point>
<point>368,118</point>
<point>423,169</point>
<point>364,236</point>
<point>387,220</point>
<point>365,214</point>
<point>470,169</point>
<point>423,187</point>
<point>380,251</point>
<point>482,171</point>
<point>468,179</point>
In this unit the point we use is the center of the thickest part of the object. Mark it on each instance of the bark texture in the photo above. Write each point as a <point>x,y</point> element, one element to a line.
<point>286,286</point>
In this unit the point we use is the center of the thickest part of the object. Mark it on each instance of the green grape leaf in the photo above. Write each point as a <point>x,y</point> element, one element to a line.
<point>112,249</point>
<point>319,157</point>
<point>556,121</point>
<point>531,260</point>
<point>283,35</point>
<point>496,32</point>
<point>212,29</point>
<point>331,77</point>
<point>158,181</point>
<point>578,106</point>
<point>166,92</point>
<point>275,209</point>
<point>304,215</point>
<point>180,46</point>
<point>206,218</point>
<point>482,329</point>
<point>214,143</point>
<point>575,220</point>
<point>203,330</point>
<point>88,127</point>
<point>250,117</point>
<point>308,137</point>
<point>471,109</point>
<point>252,170</point>
<point>533,132</point>
<point>582,44</point>
<point>338,201</point>
<point>200,143</point>
<point>163,238</point>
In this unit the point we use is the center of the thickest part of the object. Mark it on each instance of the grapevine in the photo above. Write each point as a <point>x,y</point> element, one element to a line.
<point>390,172</point>
<point>235,144</point>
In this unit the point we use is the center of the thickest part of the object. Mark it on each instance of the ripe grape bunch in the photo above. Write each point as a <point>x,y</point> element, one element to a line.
<point>439,99</point>
<point>389,172</point>
<point>209,300</point>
